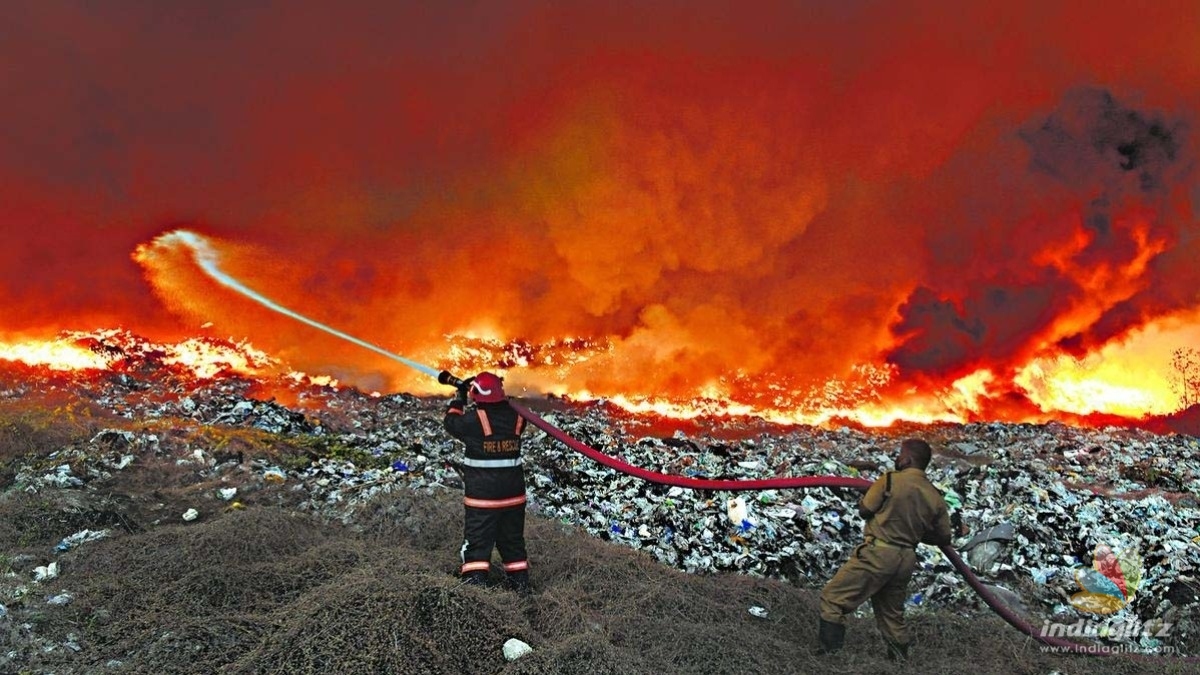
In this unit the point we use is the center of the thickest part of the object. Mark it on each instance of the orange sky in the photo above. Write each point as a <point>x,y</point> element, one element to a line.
<point>777,192</point>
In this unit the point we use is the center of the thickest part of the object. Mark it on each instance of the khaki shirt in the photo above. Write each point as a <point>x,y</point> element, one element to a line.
<point>914,513</point>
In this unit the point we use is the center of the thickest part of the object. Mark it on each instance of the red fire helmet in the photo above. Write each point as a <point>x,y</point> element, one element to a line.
<point>487,388</point>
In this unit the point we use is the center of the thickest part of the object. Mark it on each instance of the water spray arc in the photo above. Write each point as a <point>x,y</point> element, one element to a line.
<point>207,258</point>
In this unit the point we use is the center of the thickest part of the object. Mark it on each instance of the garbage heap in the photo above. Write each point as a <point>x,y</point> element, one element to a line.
<point>1041,500</point>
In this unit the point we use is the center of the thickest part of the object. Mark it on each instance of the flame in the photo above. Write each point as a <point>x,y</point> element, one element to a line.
<point>895,218</point>
<point>205,359</point>
<point>1116,380</point>
<point>118,350</point>
<point>704,266</point>
<point>1131,378</point>
<point>952,405</point>
<point>54,354</point>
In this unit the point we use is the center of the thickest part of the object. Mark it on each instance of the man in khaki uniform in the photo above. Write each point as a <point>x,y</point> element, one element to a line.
<point>902,509</point>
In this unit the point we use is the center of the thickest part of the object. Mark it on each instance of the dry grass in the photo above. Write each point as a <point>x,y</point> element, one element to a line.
<point>263,591</point>
<point>266,590</point>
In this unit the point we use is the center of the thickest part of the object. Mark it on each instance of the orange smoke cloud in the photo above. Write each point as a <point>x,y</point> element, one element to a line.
<point>753,205</point>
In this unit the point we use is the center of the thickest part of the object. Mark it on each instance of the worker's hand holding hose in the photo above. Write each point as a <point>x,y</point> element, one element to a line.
<point>465,386</point>
<point>459,401</point>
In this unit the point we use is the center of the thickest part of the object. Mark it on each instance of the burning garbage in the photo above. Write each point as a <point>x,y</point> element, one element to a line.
<point>1040,499</point>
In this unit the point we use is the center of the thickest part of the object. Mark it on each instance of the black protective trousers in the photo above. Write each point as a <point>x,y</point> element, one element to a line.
<point>494,517</point>
<point>503,529</point>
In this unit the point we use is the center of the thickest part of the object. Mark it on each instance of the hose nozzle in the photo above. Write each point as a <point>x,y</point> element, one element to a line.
<point>445,377</point>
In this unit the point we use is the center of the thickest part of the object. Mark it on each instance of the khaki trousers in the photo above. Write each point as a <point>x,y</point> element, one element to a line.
<point>879,572</point>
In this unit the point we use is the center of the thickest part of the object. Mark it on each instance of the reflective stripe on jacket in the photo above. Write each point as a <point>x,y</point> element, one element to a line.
<point>491,464</point>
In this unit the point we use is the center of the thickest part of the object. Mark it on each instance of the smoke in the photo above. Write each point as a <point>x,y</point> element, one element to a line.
<point>1083,256</point>
<point>719,196</point>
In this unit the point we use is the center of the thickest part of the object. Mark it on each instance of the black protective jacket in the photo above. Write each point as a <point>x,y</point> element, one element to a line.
<point>491,463</point>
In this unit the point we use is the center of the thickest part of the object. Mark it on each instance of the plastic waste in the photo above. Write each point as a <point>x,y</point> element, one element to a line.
<point>984,556</point>
<point>191,514</point>
<point>515,649</point>
<point>80,537</point>
<point>45,572</point>
<point>1042,574</point>
<point>736,510</point>
<point>760,612</point>
<point>60,599</point>
<point>984,549</point>
<point>952,499</point>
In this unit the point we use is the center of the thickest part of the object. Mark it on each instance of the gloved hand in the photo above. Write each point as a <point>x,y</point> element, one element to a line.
<point>464,388</point>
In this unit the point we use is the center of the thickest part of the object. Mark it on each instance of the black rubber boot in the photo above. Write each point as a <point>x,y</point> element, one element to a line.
<point>475,578</point>
<point>830,637</point>
<point>519,583</point>
<point>896,652</point>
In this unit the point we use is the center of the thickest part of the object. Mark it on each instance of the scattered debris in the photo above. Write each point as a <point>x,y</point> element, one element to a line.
<point>45,572</point>
<point>515,649</point>
<point>60,599</point>
<point>80,537</point>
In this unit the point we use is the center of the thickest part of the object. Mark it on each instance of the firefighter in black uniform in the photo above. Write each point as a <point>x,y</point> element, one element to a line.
<point>494,480</point>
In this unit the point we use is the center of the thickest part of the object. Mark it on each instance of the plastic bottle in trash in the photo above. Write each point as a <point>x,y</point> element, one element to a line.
<point>736,510</point>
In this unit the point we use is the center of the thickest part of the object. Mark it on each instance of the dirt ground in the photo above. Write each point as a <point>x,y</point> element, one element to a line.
<point>265,590</point>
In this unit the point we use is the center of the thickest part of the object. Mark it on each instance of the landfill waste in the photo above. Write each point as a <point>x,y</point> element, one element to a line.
<point>227,493</point>
<point>45,572</point>
<point>984,549</point>
<point>80,537</point>
<point>61,477</point>
<point>760,612</point>
<point>1039,499</point>
<point>515,649</point>
<point>737,511</point>
<point>191,514</point>
<point>60,599</point>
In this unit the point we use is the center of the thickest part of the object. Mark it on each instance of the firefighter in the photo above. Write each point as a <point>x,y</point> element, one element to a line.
<point>494,501</point>
<point>901,509</point>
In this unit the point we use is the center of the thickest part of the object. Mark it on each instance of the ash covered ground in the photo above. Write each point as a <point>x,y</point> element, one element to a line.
<point>158,521</point>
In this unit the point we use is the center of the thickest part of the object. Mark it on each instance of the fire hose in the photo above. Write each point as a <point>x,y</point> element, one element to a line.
<point>207,258</point>
<point>999,607</point>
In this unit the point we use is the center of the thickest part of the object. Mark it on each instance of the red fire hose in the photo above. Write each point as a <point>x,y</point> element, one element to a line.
<point>1013,619</point>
